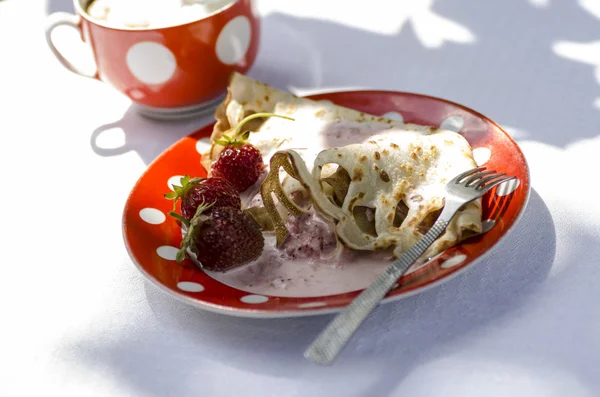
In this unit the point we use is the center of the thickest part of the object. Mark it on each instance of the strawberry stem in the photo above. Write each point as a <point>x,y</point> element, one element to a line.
<point>195,222</point>
<point>238,128</point>
<point>179,191</point>
<point>179,218</point>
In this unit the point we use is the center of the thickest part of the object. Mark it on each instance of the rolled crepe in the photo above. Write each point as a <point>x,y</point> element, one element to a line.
<point>380,182</point>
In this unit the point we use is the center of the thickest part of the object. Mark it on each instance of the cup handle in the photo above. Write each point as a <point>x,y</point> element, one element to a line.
<point>66,19</point>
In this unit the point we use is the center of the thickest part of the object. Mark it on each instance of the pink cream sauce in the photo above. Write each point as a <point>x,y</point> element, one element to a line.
<point>275,274</point>
<point>306,265</point>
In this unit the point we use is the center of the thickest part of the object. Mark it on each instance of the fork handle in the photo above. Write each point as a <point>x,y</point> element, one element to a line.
<point>332,339</point>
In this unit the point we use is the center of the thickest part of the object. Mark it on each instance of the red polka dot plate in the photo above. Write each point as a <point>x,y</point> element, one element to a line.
<point>152,237</point>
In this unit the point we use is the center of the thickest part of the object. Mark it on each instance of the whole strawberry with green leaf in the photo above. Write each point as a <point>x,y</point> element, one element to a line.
<point>240,162</point>
<point>222,238</point>
<point>195,191</point>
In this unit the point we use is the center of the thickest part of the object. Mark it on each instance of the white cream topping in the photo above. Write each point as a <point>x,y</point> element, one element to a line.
<point>152,13</point>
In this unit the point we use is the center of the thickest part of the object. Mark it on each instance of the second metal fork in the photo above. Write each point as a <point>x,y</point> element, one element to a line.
<point>461,190</point>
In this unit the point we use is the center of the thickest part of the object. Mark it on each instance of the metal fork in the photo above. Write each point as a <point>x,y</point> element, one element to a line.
<point>464,188</point>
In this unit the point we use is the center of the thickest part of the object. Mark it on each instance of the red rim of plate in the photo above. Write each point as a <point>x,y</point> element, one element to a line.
<point>142,238</point>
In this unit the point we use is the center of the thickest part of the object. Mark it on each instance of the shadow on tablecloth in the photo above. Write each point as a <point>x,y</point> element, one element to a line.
<point>146,137</point>
<point>509,71</point>
<point>184,345</point>
<point>59,6</point>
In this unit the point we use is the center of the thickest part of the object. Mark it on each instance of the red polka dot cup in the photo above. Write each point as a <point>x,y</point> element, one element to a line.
<point>171,71</point>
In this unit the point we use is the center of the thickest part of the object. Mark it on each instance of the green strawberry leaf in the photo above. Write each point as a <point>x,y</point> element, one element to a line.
<point>179,218</point>
<point>180,191</point>
<point>194,223</point>
<point>224,141</point>
<point>180,256</point>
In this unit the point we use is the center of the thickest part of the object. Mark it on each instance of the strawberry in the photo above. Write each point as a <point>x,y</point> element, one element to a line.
<point>222,238</point>
<point>239,162</point>
<point>195,191</point>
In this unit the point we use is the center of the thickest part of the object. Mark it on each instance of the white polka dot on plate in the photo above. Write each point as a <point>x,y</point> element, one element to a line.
<point>327,101</point>
<point>507,187</point>
<point>311,304</point>
<point>167,252</point>
<point>393,116</point>
<point>453,123</point>
<point>174,180</point>
<point>481,155</point>
<point>416,267</point>
<point>456,260</point>
<point>150,62</point>
<point>202,145</point>
<point>234,40</point>
<point>189,286</point>
<point>152,216</point>
<point>254,299</point>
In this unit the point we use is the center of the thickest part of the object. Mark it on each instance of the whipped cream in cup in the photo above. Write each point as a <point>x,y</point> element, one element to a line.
<point>152,13</point>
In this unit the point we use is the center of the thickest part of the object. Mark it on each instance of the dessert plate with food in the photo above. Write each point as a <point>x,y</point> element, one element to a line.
<point>290,206</point>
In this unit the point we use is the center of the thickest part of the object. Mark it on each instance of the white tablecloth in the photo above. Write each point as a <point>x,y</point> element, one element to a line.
<point>79,320</point>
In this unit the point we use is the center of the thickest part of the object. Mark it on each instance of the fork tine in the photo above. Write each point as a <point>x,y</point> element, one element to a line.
<point>478,176</point>
<point>495,183</point>
<point>460,177</point>
<point>488,179</point>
